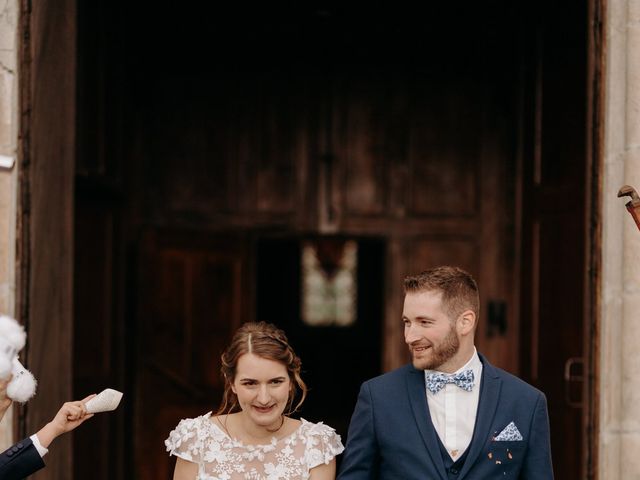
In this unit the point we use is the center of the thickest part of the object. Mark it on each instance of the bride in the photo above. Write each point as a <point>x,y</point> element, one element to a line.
<point>252,437</point>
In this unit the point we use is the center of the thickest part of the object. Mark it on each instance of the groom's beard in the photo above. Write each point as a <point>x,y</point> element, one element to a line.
<point>439,354</point>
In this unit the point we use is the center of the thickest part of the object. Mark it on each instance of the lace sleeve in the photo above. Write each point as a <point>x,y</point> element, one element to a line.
<point>185,442</point>
<point>323,445</point>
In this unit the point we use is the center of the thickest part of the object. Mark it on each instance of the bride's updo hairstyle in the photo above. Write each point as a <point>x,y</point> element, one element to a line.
<point>266,341</point>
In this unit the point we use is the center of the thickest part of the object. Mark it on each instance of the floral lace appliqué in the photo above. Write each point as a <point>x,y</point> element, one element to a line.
<point>220,457</point>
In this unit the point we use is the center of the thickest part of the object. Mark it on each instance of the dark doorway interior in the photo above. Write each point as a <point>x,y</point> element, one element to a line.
<point>336,359</point>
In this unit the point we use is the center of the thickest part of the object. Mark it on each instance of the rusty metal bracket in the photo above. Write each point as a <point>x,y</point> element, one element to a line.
<point>633,206</point>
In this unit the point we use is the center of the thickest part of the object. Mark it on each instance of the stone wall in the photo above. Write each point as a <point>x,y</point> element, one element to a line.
<point>620,303</point>
<point>8,177</point>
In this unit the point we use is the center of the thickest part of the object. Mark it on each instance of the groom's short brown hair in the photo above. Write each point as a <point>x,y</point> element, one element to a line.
<point>459,289</point>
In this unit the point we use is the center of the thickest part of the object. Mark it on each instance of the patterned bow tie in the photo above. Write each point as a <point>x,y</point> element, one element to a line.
<point>436,380</point>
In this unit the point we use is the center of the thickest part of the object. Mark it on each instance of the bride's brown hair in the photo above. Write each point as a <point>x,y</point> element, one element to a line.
<point>266,341</point>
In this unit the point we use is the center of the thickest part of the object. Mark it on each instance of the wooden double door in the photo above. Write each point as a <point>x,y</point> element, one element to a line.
<point>430,148</point>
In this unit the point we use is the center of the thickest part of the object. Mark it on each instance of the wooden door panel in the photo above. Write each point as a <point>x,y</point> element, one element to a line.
<point>431,252</point>
<point>192,168</point>
<point>272,163</point>
<point>559,335</point>
<point>444,149</point>
<point>237,150</point>
<point>167,348</point>
<point>191,301</point>
<point>98,351</point>
<point>366,144</point>
<point>554,223</point>
<point>553,332</point>
<point>216,302</point>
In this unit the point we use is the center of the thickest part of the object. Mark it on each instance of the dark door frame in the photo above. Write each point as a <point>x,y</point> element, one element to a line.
<point>593,235</point>
<point>589,206</point>
<point>44,250</point>
<point>44,290</point>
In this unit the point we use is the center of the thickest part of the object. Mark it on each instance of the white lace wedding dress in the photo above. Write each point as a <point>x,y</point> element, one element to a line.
<point>220,457</point>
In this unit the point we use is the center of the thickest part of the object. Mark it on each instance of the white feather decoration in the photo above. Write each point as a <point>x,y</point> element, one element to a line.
<point>5,367</point>
<point>12,333</point>
<point>23,384</point>
<point>12,340</point>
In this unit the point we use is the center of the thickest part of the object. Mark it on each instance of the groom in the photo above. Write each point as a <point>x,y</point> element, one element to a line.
<point>450,415</point>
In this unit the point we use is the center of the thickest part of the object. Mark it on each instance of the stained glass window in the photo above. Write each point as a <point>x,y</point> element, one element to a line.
<point>329,282</point>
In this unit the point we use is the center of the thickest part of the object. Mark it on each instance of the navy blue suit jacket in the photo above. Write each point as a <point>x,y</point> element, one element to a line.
<point>391,435</point>
<point>20,460</point>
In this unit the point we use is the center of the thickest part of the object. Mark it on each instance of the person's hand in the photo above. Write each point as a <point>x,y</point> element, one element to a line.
<point>70,416</point>
<point>5,401</point>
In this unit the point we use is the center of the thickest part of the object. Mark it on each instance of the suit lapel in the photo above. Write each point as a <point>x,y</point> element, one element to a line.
<point>418,398</point>
<point>487,405</point>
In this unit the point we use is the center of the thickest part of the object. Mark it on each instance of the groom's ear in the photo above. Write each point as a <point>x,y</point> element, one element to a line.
<point>466,322</point>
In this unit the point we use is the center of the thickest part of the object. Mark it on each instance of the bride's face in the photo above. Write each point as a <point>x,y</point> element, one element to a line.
<point>262,387</point>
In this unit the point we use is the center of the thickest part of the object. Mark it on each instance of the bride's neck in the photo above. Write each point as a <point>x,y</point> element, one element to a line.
<point>249,431</point>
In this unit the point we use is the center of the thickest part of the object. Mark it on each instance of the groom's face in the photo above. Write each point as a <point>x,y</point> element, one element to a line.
<point>429,332</point>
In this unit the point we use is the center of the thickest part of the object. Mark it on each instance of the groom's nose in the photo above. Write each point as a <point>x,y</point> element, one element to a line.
<point>410,334</point>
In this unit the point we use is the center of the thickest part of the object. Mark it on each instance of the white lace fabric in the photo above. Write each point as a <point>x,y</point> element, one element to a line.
<point>220,457</point>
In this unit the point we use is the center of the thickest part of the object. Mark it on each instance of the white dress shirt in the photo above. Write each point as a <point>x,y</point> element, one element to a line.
<point>36,443</point>
<point>453,410</point>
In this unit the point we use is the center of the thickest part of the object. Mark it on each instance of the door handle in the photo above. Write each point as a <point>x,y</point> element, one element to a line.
<point>497,318</point>
<point>573,374</point>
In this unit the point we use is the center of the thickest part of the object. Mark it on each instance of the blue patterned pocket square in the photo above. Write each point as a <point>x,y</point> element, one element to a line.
<point>509,434</point>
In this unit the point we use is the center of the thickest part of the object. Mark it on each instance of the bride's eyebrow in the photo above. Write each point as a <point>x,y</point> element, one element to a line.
<point>249,379</point>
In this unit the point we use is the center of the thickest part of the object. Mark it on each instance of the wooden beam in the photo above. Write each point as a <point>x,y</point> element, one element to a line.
<point>45,245</point>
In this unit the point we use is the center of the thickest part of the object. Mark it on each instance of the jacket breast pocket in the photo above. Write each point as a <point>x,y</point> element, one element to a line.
<point>505,456</point>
